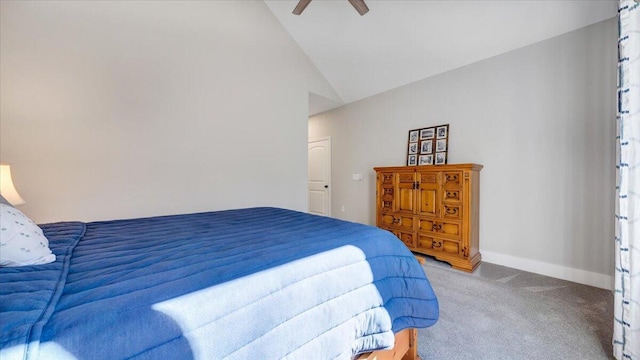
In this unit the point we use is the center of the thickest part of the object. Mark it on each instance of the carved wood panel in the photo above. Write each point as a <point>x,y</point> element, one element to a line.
<point>452,178</point>
<point>452,211</point>
<point>428,201</point>
<point>452,195</point>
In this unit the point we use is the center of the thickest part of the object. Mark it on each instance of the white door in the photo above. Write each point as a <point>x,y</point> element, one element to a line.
<point>320,176</point>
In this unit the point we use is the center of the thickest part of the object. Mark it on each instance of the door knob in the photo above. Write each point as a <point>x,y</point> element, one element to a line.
<point>326,186</point>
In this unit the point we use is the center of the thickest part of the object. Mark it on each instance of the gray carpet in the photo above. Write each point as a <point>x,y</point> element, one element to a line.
<point>500,313</point>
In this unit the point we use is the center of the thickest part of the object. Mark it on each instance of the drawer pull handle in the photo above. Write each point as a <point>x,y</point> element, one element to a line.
<point>436,227</point>
<point>396,220</point>
<point>452,211</point>
<point>436,244</point>
<point>452,177</point>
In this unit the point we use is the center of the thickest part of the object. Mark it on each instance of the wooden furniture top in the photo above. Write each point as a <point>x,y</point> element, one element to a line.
<point>469,166</point>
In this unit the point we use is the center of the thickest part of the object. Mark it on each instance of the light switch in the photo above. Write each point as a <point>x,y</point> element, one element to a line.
<point>357,177</point>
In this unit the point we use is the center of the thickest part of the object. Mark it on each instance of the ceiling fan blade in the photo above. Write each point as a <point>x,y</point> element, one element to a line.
<point>360,6</point>
<point>302,4</point>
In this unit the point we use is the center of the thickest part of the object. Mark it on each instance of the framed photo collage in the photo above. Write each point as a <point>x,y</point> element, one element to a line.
<point>428,146</point>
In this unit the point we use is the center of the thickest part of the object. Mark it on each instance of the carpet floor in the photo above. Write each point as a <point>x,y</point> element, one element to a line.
<point>500,313</point>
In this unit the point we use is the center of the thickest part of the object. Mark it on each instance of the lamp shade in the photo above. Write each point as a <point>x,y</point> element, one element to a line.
<point>7,190</point>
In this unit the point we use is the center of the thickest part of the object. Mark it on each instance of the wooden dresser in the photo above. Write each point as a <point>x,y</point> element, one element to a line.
<point>432,209</point>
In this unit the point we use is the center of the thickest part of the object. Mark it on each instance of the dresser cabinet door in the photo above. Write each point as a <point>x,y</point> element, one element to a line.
<point>428,193</point>
<point>405,192</point>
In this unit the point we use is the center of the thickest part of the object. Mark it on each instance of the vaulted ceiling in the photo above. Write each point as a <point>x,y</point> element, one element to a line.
<point>399,42</point>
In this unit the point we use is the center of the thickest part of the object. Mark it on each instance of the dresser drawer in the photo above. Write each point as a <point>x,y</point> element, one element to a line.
<point>452,211</point>
<point>437,244</point>
<point>452,178</point>
<point>406,237</point>
<point>452,195</point>
<point>388,220</point>
<point>449,228</point>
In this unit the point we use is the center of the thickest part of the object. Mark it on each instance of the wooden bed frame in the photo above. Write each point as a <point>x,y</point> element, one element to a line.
<point>405,348</point>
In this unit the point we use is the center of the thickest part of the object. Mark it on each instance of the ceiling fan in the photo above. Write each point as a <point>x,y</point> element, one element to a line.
<point>359,5</point>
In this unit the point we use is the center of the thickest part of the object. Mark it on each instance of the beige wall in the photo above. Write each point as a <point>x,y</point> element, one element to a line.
<point>541,120</point>
<point>125,109</point>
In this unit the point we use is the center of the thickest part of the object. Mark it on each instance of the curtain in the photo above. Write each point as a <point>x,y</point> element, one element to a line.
<point>626,332</point>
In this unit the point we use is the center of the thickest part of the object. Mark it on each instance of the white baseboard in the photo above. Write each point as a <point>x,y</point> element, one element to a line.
<point>561,272</point>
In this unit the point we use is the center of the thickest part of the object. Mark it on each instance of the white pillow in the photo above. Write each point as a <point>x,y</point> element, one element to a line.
<point>21,240</point>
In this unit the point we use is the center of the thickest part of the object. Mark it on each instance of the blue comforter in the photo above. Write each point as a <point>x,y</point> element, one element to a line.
<point>261,283</point>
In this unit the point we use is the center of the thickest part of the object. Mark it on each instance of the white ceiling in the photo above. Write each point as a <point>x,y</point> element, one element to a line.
<point>399,42</point>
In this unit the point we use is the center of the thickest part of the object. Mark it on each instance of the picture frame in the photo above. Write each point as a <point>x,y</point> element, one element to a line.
<point>442,131</point>
<point>425,160</point>
<point>428,146</point>
<point>413,135</point>
<point>413,148</point>
<point>427,133</point>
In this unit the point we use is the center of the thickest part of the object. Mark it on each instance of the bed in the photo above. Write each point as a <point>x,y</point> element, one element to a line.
<point>262,283</point>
